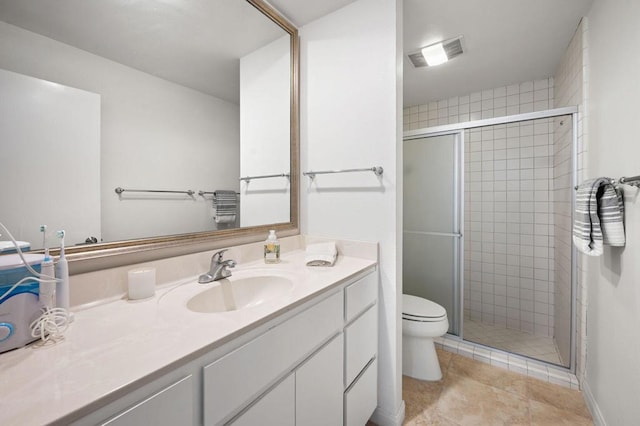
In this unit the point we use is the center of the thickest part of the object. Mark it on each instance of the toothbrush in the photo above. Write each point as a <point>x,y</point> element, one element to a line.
<point>43,229</point>
<point>47,293</point>
<point>62,272</point>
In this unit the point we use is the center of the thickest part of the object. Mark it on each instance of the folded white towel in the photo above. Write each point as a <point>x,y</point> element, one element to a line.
<point>321,254</point>
<point>599,216</point>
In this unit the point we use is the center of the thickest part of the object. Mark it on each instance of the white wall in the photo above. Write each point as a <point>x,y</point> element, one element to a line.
<point>265,108</point>
<point>350,118</point>
<point>44,129</point>
<point>154,135</point>
<point>613,343</point>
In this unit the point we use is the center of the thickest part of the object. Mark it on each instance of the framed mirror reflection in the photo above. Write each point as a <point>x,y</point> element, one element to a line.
<point>132,125</point>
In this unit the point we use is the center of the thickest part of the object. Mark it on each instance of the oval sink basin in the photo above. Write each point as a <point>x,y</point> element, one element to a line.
<point>235,294</point>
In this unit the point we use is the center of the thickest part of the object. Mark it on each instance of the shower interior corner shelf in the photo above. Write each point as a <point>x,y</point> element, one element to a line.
<point>378,170</point>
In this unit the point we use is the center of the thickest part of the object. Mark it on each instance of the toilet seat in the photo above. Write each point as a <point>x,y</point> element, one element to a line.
<point>421,310</point>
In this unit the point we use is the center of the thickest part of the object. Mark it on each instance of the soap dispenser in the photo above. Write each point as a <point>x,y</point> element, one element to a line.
<point>272,248</point>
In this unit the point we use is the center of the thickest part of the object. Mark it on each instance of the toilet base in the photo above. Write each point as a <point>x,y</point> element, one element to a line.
<point>419,358</point>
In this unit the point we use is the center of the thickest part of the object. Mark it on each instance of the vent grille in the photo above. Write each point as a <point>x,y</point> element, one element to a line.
<point>452,48</point>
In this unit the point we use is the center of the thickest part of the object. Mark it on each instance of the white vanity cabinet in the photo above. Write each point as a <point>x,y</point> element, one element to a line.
<point>313,365</point>
<point>310,396</point>
<point>361,347</point>
<point>244,374</point>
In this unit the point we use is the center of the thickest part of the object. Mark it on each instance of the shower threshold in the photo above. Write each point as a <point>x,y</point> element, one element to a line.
<point>516,363</point>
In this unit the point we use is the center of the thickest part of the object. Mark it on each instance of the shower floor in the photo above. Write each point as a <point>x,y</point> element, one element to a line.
<point>515,341</point>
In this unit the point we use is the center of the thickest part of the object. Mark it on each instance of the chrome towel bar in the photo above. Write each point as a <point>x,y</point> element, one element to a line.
<point>203,193</point>
<point>376,169</point>
<point>633,181</point>
<point>249,178</point>
<point>120,190</point>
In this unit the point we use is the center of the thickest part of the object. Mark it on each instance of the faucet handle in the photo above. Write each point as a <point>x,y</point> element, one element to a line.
<point>218,255</point>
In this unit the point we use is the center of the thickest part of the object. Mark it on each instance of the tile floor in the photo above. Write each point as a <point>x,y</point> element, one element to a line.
<point>475,393</point>
<point>514,341</point>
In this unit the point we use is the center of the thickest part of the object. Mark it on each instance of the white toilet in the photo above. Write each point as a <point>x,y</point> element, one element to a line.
<point>422,320</point>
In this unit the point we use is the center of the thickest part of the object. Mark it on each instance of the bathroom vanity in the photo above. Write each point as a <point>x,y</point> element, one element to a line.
<point>306,357</point>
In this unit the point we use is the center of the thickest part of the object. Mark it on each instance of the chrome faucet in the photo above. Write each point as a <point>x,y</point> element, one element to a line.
<point>219,268</point>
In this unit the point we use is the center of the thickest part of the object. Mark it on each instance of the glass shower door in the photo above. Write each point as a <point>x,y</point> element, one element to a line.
<point>432,234</point>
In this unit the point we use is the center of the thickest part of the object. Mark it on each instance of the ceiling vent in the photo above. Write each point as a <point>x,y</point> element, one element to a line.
<point>452,48</point>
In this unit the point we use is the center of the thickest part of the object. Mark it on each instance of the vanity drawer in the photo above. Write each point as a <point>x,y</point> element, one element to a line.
<point>361,343</point>
<point>359,295</point>
<point>362,398</point>
<point>172,405</point>
<point>240,376</point>
<point>276,408</point>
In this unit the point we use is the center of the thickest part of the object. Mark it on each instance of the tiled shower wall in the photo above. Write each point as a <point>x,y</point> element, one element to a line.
<point>509,226</point>
<point>509,232</point>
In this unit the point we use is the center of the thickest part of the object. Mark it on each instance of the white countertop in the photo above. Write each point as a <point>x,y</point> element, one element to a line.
<point>115,344</point>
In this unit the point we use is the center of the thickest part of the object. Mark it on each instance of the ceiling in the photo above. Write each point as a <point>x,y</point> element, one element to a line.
<point>193,43</point>
<point>505,42</point>
<point>301,12</point>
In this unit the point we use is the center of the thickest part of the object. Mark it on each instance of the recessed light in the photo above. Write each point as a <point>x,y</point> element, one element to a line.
<point>437,53</point>
<point>434,54</point>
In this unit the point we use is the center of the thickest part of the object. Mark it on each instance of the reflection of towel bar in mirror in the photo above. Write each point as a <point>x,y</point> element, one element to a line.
<point>633,181</point>
<point>121,190</point>
<point>203,193</point>
<point>249,178</point>
<point>376,169</point>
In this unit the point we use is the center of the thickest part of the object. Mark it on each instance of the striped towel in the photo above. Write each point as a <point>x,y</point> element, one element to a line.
<point>599,216</point>
<point>226,205</point>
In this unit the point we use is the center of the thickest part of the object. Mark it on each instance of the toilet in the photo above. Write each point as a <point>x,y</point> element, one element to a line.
<point>422,320</point>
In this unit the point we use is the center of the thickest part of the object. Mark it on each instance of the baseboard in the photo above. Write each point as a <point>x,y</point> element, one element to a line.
<point>385,419</point>
<point>598,419</point>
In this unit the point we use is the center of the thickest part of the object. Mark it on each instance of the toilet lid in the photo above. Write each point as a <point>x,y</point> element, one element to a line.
<point>417,308</point>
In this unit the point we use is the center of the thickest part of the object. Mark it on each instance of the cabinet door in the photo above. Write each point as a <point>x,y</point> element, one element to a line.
<point>361,338</point>
<point>319,387</point>
<point>361,398</point>
<point>275,408</point>
<point>171,406</point>
<point>240,376</point>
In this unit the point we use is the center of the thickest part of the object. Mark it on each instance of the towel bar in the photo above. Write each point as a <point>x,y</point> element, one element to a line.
<point>633,181</point>
<point>248,178</point>
<point>376,169</point>
<point>120,190</point>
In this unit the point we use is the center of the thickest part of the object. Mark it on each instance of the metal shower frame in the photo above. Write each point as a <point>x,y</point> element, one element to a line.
<point>458,130</point>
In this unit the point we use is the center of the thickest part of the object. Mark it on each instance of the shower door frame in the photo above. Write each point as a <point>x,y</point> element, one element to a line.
<point>459,129</point>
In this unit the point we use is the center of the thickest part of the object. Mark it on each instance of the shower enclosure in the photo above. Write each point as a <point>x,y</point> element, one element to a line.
<point>487,230</point>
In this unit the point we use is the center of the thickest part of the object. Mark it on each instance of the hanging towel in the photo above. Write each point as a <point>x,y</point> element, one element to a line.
<point>599,216</point>
<point>321,254</point>
<point>226,205</point>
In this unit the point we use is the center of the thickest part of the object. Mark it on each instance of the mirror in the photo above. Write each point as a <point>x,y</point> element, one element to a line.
<point>122,121</point>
